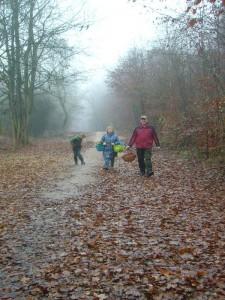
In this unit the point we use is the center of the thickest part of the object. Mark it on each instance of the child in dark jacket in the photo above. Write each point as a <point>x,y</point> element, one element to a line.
<point>109,139</point>
<point>76,143</point>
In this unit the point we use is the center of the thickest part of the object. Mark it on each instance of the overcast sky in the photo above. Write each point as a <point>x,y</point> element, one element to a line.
<point>117,26</point>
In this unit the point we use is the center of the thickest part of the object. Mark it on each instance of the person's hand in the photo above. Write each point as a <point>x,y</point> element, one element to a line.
<point>104,143</point>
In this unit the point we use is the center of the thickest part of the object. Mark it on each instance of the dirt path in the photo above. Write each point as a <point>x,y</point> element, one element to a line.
<point>115,235</point>
<point>28,249</point>
<point>40,235</point>
<point>69,184</point>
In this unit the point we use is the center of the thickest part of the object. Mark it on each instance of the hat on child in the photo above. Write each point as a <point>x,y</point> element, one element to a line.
<point>144,117</point>
<point>83,135</point>
<point>109,127</point>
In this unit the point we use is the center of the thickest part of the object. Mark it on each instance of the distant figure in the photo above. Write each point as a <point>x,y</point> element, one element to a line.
<point>76,143</point>
<point>143,137</point>
<point>109,139</point>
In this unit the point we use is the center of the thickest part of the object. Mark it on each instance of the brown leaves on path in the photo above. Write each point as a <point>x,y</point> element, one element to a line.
<point>25,169</point>
<point>122,237</point>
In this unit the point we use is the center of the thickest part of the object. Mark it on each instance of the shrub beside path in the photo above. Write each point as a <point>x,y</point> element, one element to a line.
<point>79,232</point>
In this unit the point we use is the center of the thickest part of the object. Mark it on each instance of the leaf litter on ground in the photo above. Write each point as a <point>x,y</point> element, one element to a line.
<point>120,237</point>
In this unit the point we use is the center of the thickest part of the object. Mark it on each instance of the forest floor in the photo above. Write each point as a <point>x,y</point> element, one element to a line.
<point>80,232</point>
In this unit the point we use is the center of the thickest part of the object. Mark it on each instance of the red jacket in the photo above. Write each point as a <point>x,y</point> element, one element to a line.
<point>143,137</point>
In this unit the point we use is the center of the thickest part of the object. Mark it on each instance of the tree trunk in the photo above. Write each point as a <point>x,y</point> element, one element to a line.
<point>21,84</point>
<point>16,100</point>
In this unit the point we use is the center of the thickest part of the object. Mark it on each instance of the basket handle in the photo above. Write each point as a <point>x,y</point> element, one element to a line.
<point>127,150</point>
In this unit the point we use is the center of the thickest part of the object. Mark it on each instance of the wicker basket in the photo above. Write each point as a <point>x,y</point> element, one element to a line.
<point>128,157</point>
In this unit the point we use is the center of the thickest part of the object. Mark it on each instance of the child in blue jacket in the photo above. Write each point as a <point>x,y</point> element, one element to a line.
<point>109,139</point>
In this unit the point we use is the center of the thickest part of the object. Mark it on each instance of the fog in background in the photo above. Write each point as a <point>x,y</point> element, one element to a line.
<point>117,26</point>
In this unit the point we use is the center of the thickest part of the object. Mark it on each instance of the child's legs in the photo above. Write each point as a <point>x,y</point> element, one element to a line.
<point>75,154</point>
<point>114,154</point>
<point>79,155</point>
<point>107,161</point>
<point>107,158</point>
<point>112,161</point>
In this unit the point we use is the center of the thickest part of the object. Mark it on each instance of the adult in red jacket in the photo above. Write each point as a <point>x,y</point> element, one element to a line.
<point>143,137</point>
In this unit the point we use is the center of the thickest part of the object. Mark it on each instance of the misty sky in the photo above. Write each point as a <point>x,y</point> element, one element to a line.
<point>119,25</point>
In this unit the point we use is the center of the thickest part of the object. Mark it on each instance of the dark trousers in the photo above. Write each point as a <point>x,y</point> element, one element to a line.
<point>144,160</point>
<point>77,154</point>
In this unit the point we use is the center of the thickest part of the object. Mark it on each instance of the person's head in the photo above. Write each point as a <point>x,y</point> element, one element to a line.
<point>110,129</point>
<point>83,135</point>
<point>144,119</point>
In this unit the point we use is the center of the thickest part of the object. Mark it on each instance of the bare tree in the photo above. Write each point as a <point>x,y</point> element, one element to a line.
<point>129,80</point>
<point>30,35</point>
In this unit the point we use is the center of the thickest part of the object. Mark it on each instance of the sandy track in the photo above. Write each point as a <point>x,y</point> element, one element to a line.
<point>80,175</point>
